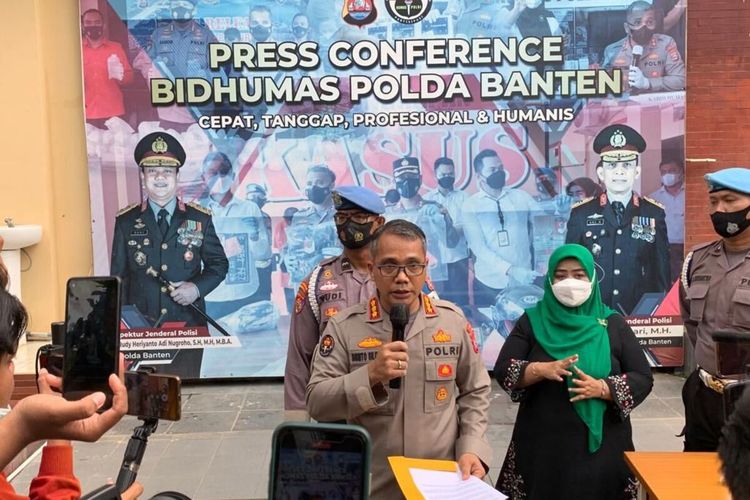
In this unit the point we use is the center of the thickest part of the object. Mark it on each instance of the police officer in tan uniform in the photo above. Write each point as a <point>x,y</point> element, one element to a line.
<point>334,284</point>
<point>660,68</point>
<point>715,297</point>
<point>441,409</point>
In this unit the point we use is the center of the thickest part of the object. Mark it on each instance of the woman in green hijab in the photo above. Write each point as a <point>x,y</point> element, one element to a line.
<point>578,370</point>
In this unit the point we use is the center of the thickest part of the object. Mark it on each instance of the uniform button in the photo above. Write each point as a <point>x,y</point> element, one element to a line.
<point>617,272</point>
<point>615,292</point>
<point>164,289</point>
<point>164,310</point>
<point>619,231</point>
<point>617,251</point>
<point>164,266</point>
<point>164,246</point>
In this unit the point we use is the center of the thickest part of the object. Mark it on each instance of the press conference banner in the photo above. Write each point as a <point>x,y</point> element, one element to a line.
<point>481,121</point>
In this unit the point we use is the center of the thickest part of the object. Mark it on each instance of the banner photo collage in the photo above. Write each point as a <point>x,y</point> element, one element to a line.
<point>502,128</point>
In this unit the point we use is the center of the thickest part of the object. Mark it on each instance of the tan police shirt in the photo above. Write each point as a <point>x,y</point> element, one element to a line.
<point>441,409</point>
<point>714,297</point>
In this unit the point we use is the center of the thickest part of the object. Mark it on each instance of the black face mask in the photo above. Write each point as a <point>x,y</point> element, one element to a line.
<point>260,33</point>
<point>353,235</point>
<point>408,188</point>
<point>642,36</point>
<point>729,224</point>
<point>93,32</point>
<point>299,32</point>
<point>447,182</point>
<point>496,180</point>
<point>317,194</point>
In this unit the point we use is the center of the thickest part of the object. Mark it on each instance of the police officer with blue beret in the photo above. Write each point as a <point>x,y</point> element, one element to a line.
<point>626,233</point>
<point>335,284</point>
<point>715,297</point>
<point>176,239</point>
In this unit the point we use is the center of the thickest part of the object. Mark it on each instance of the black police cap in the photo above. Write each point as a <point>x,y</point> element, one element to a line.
<point>616,138</point>
<point>159,149</point>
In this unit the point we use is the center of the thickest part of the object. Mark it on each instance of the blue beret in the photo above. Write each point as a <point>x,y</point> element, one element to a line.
<point>255,188</point>
<point>734,179</point>
<point>357,197</point>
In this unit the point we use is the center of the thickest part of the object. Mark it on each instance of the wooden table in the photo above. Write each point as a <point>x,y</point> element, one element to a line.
<point>676,475</point>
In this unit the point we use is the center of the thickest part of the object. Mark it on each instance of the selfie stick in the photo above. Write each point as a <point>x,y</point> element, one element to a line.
<point>152,272</point>
<point>131,462</point>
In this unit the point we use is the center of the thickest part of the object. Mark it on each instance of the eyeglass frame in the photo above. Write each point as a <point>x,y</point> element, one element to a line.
<point>401,268</point>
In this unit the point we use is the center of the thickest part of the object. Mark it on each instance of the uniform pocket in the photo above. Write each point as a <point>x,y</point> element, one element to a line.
<point>439,387</point>
<point>741,307</point>
<point>697,296</point>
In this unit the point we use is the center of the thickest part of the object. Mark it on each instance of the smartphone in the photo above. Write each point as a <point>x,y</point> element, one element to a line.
<point>154,395</point>
<point>311,460</point>
<point>92,336</point>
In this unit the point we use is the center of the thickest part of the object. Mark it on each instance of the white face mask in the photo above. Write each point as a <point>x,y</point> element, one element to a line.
<point>572,292</point>
<point>670,180</point>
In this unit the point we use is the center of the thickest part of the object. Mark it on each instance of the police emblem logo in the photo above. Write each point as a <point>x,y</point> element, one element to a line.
<point>331,312</point>
<point>369,342</point>
<point>408,11</point>
<point>140,258</point>
<point>618,139</point>
<point>441,337</point>
<point>732,228</point>
<point>445,370</point>
<point>359,13</point>
<point>441,393</point>
<point>159,146</point>
<point>327,274</point>
<point>326,345</point>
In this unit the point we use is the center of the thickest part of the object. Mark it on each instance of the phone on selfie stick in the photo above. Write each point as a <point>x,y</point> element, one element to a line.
<point>92,336</point>
<point>320,461</point>
<point>151,397</point>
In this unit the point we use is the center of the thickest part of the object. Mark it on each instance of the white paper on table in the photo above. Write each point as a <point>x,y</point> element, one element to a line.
<point>440,485</point>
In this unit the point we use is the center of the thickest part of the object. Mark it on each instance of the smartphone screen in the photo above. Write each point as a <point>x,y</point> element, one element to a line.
<point>92,336</point>
<point>152,395</point>
<point>320,461</point>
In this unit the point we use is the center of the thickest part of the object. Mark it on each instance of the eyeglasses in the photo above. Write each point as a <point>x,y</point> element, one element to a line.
<point>357,217</point>
<point>392,270</point>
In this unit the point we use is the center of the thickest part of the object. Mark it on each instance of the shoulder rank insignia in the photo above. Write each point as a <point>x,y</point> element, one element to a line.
<point>429,309</point>
<point>473,337</point>
<point>199,207</point>
<point>127,209</point>
<point>653,202</point>
<point>581,202</point>
<point>374,309</point>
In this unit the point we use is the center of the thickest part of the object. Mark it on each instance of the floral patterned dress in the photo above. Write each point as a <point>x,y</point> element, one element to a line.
<point>548,455</point>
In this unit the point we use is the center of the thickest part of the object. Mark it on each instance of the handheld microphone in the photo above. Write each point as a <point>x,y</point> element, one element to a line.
<point>399,318</point>
<point>637,53</point>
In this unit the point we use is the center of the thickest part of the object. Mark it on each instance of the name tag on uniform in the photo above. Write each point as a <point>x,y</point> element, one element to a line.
<point>503,240</point>
<point>595,220</point>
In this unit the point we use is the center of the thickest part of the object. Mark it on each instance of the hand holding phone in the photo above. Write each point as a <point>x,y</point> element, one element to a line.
<point>92,337</point>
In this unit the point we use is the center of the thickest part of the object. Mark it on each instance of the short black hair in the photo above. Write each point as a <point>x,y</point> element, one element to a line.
<point>401,228</point>
<point>479,158</point>
<point>444,160</point>
<point>734,448</point>
<point>92,11</point>
<point>226,164</point>
<point>676,161</point>
<point>260,8</point>
<point>13,321</point>
<point>323,169</point>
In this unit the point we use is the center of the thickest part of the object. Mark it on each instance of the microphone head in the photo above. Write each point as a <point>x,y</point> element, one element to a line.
<point>399,315</point>
<point>637,50</point>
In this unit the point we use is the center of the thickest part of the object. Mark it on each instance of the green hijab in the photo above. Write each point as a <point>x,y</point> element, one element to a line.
<point>563,331</point>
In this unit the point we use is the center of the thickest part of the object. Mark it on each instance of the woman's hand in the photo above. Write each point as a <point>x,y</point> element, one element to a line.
<point>554,370</point>
<point>588,387</point>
